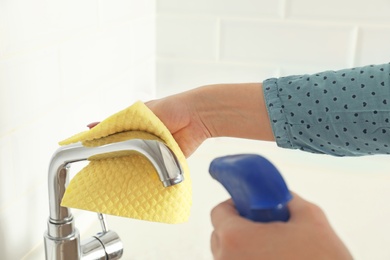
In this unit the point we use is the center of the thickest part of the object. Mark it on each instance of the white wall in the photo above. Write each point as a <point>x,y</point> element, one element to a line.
<point>224,41</point>
<point>63,64</point>
<point>203,41</point>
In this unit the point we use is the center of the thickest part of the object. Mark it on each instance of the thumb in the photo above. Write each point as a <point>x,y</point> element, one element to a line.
<point>302,210</point>
<point>224,213</point>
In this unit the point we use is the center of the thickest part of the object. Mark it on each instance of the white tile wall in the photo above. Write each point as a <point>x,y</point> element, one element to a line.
<point>123,10</point>
<point>243,8</point>
<point>288,36</point>
<point>285,43</point>
<point>374,44</point>
<point>63,64</point>
<point>173,75</point>
<point>340,11</point>
<point>8,181</point>
<point>24,79</point>
<point>254,40</point>
<point>88,59</point>
<point>27,24</point>
<point>186,37</point>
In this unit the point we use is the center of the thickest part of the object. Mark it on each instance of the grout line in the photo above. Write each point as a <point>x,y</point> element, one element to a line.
<point>283,6</point>
<point>99,22</point>
<point>160,59</point>
<point>353,53</point>
<point>219,40</point>
<point>251,64</point>
<point>284,13</point>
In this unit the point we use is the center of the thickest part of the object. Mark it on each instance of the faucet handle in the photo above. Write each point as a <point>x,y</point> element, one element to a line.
<point>104,245</point>
<point>103,222</point>
<point>112,244</point>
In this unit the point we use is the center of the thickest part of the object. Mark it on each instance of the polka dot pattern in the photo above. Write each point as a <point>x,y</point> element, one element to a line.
<point>341,113</point>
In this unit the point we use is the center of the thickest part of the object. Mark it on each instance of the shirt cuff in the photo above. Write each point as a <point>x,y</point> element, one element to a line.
<point>276,114</point>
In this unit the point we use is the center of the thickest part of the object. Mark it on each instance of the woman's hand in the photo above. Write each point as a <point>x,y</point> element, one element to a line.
<point>181,117</point>
<point>307,235</point>
<point>233,110</point>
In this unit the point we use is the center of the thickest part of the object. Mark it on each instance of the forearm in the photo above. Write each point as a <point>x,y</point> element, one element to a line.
<point>233,110</point>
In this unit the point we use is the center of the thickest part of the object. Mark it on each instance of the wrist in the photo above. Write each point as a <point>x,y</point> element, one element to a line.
<point>233,110</point>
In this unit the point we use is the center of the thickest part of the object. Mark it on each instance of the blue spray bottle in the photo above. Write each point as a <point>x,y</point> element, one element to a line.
<point>258,190</point>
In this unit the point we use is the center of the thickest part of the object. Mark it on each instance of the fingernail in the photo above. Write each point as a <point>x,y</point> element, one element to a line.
<point>92,125</point>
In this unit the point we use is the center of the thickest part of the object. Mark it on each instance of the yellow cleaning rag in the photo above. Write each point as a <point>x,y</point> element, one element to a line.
<point>129,186</point>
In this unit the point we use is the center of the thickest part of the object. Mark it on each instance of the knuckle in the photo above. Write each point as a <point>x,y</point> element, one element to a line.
<point>216,210</point>
<point>214,242</point>
<point>228,238</point>
<point>213,212</point>
<point>316,213</point>
<point>313,208</point>
<point>221,244</point>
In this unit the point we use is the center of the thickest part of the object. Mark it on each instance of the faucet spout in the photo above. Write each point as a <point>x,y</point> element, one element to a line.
<point>162,158</point>
<point>61,235</point>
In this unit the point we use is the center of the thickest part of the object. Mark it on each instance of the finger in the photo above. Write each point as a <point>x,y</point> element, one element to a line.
<point>92,125</point>
<point>297,203</point>
<point>214,243</point>
<point>185,147</point>
<point>302,210</point>
<point>224,213</point>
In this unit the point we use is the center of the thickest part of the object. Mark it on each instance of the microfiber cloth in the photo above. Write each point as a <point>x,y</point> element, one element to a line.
<point>129,186</point>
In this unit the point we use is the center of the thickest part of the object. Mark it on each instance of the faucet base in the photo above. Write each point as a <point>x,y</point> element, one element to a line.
<point>66,247</point>
<point>62,242</point>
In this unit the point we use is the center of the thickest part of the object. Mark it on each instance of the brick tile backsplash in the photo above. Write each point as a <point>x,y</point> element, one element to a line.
<point>243,8</point>
<point>187,37</point>
<point>121,10</point>
<point>292,36</point>
<point>374,42</point>
<point>285,43</point>
<point>340,11</point>
<point>173,75</point>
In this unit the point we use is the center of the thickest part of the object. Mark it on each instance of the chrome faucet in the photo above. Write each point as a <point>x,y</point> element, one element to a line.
<point>62,239</point>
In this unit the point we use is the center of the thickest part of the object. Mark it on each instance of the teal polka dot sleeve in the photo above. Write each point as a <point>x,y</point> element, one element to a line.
<point>341,113</point>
